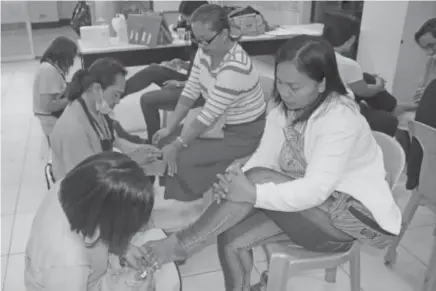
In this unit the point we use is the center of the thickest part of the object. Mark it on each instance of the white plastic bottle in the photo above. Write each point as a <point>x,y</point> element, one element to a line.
<point>122,32</point>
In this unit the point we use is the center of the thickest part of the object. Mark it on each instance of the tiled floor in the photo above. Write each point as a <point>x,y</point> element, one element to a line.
<point>23,186</point>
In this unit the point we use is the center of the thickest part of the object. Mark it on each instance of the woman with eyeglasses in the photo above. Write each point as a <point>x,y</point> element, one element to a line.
<point>230,124</point>
<point>170,76</point>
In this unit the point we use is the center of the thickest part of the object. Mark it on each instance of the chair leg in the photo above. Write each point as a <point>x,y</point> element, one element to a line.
<point>409,212</point>
<point>278,272</point>
<point>355,272</point>
<point>330,275</point>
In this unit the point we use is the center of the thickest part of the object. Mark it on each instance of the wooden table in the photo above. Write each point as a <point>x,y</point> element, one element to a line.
<point>137,55</point>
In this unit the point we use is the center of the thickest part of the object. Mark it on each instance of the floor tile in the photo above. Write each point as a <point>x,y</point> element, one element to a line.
<point>404,276</point>
<point>7,224</point>
<point>9,197</point>
<point>20,232</point>
<point>14,280</point>
<point>419,241</point>
<point>4,261</point>
<point>205,261</point>
<point>313,280</point>
<point>213,281</point>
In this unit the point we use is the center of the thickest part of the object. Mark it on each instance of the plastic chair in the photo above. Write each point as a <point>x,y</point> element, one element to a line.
<point>425,193</point>
<point>285,258</point>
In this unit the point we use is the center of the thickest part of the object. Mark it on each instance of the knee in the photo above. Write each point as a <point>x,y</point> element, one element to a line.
<point>260,175</point>
<point>225,241</point>
<point>147,99</point>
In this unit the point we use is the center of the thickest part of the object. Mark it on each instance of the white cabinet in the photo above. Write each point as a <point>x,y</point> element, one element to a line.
<point>388,48</point>
<point>43,11</point>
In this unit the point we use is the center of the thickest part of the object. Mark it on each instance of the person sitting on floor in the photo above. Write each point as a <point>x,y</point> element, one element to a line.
<point>50,82</point>
<point>425,38</point>
<point>86,126</point>
<point>168,75</point>
<point>85,223</point>
<point>317,177</point>
<point>340,31</point>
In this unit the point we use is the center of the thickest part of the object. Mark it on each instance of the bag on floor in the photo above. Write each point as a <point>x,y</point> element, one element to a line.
<point>81,16</point>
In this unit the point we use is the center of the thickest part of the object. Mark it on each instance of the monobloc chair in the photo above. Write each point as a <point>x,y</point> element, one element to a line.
<point>423,195</point>
<point>286,259</point>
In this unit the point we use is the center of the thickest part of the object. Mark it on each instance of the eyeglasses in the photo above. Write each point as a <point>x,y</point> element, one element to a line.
<point>205,42</point>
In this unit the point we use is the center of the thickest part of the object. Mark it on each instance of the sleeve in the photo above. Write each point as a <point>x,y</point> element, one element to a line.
<point>66,279</point>
<point>226,90</point>
<point>354,72</point>
<point>192,86</point>
<point>50,81</point>
<point>265,155</point>
<point>334,140</point>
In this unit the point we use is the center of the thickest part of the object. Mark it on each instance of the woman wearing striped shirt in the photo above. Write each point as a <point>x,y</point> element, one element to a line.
<point>224,75</point>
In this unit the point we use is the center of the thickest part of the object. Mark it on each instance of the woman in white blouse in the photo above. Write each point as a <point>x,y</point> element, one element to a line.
<point>317,176</point>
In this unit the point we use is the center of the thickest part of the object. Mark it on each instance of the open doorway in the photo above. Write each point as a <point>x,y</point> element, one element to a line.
<point>354,8</point>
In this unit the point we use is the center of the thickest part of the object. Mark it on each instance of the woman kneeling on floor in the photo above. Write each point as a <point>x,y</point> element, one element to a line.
<point>317,177</point>
<point>85,222</point>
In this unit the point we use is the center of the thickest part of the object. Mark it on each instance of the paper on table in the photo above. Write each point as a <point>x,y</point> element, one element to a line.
<point>297,29</point>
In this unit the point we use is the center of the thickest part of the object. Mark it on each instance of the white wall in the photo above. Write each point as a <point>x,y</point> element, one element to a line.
<point>13,12</point>
<point>380,37</point>
<point>66,8</point>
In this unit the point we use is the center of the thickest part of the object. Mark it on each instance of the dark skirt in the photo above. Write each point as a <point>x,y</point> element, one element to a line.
<point>199,163</point>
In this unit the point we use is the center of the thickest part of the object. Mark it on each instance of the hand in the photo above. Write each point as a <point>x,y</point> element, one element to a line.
<point>380,83</point>
<point>172,84</point>
<point>221,187</point>
<point>134,258</point>
<point>236,187</point>
<point>169,156</point>
<point>145,154</point>
<point>160,134</point>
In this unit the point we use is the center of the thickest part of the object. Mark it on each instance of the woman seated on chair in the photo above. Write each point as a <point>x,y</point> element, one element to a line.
<point>73,238</point>
<point>171,76</point>
<point>425,113</point>
<point>317,176</point>
<point>50,82</point>
<point>87,126</point>
<point>230,124</point>
<point>425,37</point>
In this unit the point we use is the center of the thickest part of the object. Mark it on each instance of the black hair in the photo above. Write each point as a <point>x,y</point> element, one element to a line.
<point>428,27</point>
<point>188,7</point>
<point>102,71</point>
<point>109,193</point>
<point>216,16</point>
<point>315,58</point>
<point>61,52</point>
<point>339,28</point>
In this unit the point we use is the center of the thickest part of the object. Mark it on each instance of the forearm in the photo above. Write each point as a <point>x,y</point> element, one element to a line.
<point>182,108</point>
<point>370,91</point>
<point>195,129</point>
<point>122,133</point>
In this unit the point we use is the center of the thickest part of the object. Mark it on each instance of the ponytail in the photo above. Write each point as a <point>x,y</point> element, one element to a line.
<point>78,85</point>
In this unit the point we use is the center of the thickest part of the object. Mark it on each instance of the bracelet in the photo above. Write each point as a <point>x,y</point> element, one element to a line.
<point>179,139</point>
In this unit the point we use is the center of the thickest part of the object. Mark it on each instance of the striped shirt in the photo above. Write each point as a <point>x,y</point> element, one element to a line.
<point>232,88</point>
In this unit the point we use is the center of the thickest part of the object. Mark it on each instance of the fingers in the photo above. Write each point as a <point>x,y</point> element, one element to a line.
<point>156,138</point>
<point>172,168</point>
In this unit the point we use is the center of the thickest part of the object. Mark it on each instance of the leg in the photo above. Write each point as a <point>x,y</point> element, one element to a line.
<point>151,102</point>
<point>235,248</point>
<point>151,74</point>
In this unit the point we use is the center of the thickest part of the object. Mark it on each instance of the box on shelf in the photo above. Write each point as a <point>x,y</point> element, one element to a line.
<point>96,34</point>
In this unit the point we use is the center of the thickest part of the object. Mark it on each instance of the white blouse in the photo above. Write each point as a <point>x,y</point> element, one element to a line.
<point>341,154</point>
